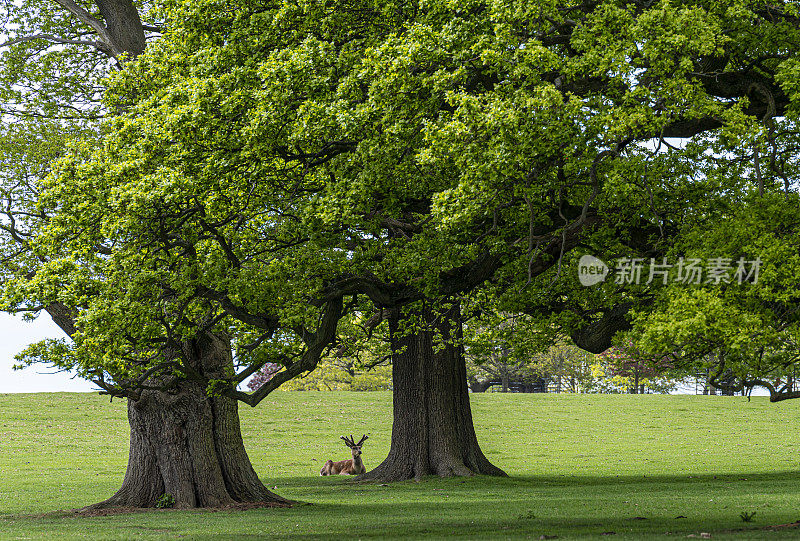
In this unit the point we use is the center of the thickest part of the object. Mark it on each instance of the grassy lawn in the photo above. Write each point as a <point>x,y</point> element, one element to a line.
<point>580,466</point>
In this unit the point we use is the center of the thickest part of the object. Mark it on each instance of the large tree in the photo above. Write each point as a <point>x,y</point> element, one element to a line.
<point>487,144</point>
<point>183,442</point>
<point>743,328</point>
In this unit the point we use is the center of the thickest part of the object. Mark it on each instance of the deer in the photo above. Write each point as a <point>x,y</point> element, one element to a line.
<point>351,466</point>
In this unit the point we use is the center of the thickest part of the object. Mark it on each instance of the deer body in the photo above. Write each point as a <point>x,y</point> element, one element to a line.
<point>351,466</point>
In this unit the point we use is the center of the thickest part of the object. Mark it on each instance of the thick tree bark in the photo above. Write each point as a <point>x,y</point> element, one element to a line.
<point>432,433</point>
<point>188,445</point>
<point>124,26</point>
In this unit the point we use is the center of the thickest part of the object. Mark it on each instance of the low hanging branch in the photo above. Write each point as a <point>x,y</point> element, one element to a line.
<point>86,18</point>
<point>775,394</point>
<point>316,343</point>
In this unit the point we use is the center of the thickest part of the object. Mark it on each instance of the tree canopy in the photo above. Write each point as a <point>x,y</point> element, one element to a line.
<point>275,160</point>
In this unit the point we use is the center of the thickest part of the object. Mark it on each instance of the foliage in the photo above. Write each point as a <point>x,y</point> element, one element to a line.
<point>166,501</point>
<point>500,347</point>
<point>516,349</point>
<point>605,380</point>
<point>42,78</point>
<point>52,69</point>
<point>263,375</point>
<point>746,331</point>
<point>567,367</point>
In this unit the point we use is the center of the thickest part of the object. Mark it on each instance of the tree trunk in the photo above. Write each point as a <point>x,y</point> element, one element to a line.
<point>188,445</point>
<point>124,26</point>
<point>432,432</point>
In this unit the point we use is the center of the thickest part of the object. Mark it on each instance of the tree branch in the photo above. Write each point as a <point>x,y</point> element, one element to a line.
<point>316,344</point>
<point>86,18</point>
<point>48,37</point>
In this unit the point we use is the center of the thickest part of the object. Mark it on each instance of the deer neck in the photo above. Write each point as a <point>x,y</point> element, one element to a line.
<point>357,462</point>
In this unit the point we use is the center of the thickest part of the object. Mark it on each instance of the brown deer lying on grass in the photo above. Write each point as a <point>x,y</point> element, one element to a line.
<point>352,466</point>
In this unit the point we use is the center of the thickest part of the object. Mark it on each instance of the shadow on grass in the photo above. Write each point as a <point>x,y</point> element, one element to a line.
<point>545,480</point>
<point>626,506</point>
<point>562,505</point>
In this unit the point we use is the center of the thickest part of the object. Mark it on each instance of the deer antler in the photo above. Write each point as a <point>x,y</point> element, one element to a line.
<point>351,442</point>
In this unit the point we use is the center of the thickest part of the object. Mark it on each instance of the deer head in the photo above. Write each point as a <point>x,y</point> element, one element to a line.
<point>355,448</point>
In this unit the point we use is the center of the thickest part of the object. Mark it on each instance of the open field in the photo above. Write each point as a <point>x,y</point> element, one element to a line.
<point>580,466</point>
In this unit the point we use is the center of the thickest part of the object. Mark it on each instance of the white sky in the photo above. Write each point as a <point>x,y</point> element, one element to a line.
<point>15,335</point>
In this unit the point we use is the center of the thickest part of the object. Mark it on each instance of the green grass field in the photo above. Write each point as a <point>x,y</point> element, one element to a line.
<point>581,466</point>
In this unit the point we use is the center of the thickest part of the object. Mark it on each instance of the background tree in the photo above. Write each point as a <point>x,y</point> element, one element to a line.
<point>566,367</point>
<point>496,351</point>
<point>635,372</point>
<point>515,348</point>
